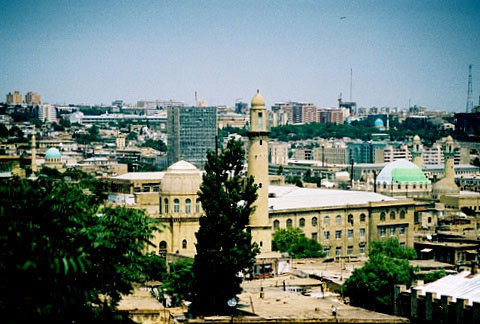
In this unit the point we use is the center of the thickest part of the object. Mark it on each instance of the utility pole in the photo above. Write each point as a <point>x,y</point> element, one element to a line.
<point>469,91</point>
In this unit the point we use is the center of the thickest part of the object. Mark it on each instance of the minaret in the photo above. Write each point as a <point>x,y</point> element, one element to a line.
<point>258,168</point>
<point>34,155</point>
<point>417,151</point>
<point>448,156</point>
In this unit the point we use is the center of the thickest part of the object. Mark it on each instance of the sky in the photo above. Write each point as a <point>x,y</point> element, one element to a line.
<point>97,51</point>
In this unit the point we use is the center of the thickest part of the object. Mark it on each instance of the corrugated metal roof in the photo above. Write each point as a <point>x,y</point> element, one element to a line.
<point>457,286</point>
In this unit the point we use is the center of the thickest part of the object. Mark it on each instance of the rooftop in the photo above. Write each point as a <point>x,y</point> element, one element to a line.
<point>141,176</point>
<point>292,197</point>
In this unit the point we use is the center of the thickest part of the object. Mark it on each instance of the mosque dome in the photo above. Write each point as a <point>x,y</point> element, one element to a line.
<point>53,153</point>
<point>445,186</point>
<point>257,100</point>
<point>379,123</point>
<point>416,138</point>
<point>181,177</point>
<point>401,171</point>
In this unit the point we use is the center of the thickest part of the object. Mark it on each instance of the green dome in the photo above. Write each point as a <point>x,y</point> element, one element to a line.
<point>401,171</point>
<point>53,153</point>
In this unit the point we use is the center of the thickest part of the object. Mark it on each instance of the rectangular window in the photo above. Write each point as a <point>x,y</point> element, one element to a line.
<point>338,235</point>
<point>146,189</point>
<point>402,244</point>
<point>402,230</point>
<point>338,251</point>
<point>326,251</point>
<point>156,189</point>
<point>392,231</point>
<point>350,233</point>
<point>260,121</point>
<point>362,250</point>
<point>362,233</point>
<point>383,231</point>
<point>326,235</point>
<point>350,250</point>
<point>136,189</point>
<point>314,236</point>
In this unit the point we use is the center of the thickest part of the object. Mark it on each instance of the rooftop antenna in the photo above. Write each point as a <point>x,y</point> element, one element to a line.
<point>470,91</point>
<point>196,98</point>
<point>351,79</point>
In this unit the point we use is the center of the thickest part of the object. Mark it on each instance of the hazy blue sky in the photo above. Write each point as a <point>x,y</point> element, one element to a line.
<point>98,51</point>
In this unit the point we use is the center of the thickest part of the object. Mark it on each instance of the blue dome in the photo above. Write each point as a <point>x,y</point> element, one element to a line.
<point>378,122</point>
<point>53,153</point>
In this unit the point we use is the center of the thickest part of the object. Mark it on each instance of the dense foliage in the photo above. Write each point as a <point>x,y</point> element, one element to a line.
<point>371,286</point>
<point>158,145</point>
<point>63,255</point>
<point>224,247</point>
<point>178,284</point>
<point>293,241</point>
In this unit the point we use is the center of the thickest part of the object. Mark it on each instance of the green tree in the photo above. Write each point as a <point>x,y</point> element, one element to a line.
<point>132,136</point>
<point>293,241</point>
<point>179,282</point>
<point>224,247</point>
<point>62,253</point>
<point>158,145</point>
<point>387,266</point>
<point>391,247</point>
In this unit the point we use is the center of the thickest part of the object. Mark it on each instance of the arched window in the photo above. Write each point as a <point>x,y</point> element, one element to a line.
<point>184,244</point>
<point>165,205</point>
<point>276,224</point>
<point>160,205</point>
<point>338,219</point>
<point>176,205</point>
<point>362,217</point>
<point>392,215</point>
<point>382,216</point>
<point>402,214</point>
<point>326,220</point>
<point>414,186</point>
<point>188,206</point>
<point>197,206</point>
<point>163,245</point>
<point>384,185</point>
<point>399,186</point>
<point>289,222</point>
<point>350,219</point>
<point>314,221</point>
<point>302,222</point>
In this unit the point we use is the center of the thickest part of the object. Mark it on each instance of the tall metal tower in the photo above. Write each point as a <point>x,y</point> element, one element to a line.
<point>470,91</point>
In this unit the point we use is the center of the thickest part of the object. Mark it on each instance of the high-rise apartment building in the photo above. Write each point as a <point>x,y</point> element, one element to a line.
<point>191,133</point>
<point>297,112</point>
<point>14,98</point>
<point>278,153</point>
<point>47,113</point>
<point>32,98</point>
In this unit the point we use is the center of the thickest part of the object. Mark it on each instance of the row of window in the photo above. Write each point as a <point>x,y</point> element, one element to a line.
<point>163,245</point>
<point>399,186</point>
<point>338,234</point>
<point>338,250</point>
<point>176,205</point>
<point>392,230</point>
<point>383,215</point>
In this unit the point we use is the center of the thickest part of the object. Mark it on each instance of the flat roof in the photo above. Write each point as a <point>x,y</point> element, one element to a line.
<point>292,197</point>
<point>141,176</point>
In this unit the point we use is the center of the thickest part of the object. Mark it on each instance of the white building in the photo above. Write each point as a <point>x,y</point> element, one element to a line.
<point>47,113</point>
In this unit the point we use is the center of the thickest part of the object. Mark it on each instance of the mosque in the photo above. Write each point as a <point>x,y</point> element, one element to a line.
<point>344,222</point>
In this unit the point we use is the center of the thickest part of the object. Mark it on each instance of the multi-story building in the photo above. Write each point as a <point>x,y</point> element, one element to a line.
<point>330,115</point>
<point>32,98</point>
<point>14,98</point>
<point>365,152</point>
<point>331,154</point>
<point>391,153</point>
<point>297,112</point>
<point>47,113</point>
<point>303,154</point>
<point>278,153</point>
<point>191,133</point>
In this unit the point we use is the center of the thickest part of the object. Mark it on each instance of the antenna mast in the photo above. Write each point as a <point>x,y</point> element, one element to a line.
<point>470,91</point>
<point>351,82</point>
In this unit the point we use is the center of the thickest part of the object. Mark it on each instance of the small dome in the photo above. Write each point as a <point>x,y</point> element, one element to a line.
<point>401,171</point>
<point>257,100</point>
<point>449,139</point>
<point>53,153</point>
<point>416,138</point>
<point>378,123</point>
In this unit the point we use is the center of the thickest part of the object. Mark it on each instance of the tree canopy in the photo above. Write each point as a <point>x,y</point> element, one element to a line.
<point>293,241</point>
<point>65,256</point>
<point>224,247</point>
<point>178,284</point>
<point>371,286</point>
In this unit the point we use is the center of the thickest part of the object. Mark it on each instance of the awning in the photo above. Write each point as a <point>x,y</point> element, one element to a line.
<point>426,250</point>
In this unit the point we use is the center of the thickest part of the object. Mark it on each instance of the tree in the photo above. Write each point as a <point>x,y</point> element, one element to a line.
<point>391,247</point>
<point>158,145</point>
<point>293,241</point>
<point>387,266</point>
<point>64,256</point>
<point>132,136</point>
<point>224,247</point>
<point>179,282</point>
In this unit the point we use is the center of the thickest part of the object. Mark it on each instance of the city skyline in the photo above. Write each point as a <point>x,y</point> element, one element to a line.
<point>93,52</point>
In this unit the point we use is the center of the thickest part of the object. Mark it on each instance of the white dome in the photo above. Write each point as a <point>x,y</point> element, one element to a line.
<point>181,178</point>
<point>401,171</point>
